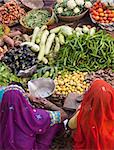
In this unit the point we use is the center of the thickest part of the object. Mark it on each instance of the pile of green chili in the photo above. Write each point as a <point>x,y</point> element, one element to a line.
<point>87,53</point>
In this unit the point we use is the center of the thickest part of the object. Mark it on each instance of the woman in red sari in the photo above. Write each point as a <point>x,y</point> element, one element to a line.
<point>95,120</point>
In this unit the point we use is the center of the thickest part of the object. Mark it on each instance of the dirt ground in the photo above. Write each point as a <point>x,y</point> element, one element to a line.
<point>62,142</point>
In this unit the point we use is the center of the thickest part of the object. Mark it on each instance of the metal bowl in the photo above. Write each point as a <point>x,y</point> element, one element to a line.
<point>41,87</point>
<point>33,4</point>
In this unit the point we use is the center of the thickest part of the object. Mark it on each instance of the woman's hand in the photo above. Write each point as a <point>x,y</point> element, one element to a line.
<point>33,98</point>
<point>41,101</point>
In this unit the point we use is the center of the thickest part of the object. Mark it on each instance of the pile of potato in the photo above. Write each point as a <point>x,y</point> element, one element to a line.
<point>70,82</point>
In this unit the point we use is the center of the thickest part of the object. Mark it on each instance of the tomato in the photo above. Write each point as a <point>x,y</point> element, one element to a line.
<point>111,15</point>
<point>109,19</point>
<point>108,11</point>
<point>100,10</point>
<point>94,8</point>
<point>100,18</point>
<point>103,6</point>
<point>93,16</point>
<point>104,18</point>
<point>102,21</point>
<point>95,13</point>
<point>95,4</point>
<point>106,15</point>
<point>113,19</point>
<point>97,18</point>
<point>100,5</point>
<point>91,10</point>
<point>101,14</point>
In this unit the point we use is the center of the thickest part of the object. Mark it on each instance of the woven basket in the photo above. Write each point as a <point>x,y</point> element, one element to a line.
<point>71,18</point>
<point>51,20</point>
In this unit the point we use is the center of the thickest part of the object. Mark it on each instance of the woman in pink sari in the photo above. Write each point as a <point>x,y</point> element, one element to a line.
<point>23,127</point>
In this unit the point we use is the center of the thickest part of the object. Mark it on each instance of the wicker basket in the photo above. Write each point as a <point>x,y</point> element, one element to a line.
<point>71,18</point>
<point>51,20</point>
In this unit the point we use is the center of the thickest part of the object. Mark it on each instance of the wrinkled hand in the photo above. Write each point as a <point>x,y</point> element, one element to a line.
<point>33,98</point>
<point>41,101</point>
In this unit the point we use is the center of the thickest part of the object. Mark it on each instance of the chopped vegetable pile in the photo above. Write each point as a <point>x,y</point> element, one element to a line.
<point>36,18</point>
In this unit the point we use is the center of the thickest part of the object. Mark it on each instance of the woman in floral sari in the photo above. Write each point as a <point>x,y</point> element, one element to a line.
<point>23,127</point>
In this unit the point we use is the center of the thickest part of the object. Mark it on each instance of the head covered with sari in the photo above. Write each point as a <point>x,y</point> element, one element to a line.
<point>21,123</point>
<point>95,122</point>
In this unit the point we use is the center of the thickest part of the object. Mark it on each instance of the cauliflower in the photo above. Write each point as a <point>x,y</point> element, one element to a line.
<point>79,2</point>
<point>65,9</point>
<point>71,4</point>
<point>76,10</point>
<point>88,4</point>
<point>59,1</point>
<point>60,10</point>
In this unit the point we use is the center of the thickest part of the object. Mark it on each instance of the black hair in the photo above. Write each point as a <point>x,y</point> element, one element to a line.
<point>16,83</point>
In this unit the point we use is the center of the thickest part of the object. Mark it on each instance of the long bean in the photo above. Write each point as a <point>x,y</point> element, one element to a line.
<point>87,52</point>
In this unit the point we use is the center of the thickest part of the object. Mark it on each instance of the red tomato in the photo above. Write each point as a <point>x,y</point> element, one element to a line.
<point>100,5</point>
<point>95,13</point>
<point>111,15</point>
<point>93,16</point>
<point>100,19</point>
<point>104,18</point>
<point>103,6</point>
<point>97,18</point>
<point>109,19</point>
<point>91,10</point>
<point>95,4</point>
<point>94,8</point>
<point>101,14</point>
<point>109,11</point>
<point>106,15</point>
<point>100,10</point>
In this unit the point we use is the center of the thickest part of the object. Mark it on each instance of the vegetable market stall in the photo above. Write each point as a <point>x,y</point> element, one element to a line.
<point>72,54</point>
